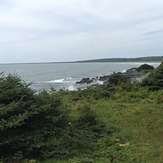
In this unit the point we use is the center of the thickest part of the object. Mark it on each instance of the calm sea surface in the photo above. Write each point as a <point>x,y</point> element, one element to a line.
<point>63,75</point>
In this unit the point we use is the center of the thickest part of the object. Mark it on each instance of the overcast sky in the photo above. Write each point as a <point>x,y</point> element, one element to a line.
<point>69,30</point>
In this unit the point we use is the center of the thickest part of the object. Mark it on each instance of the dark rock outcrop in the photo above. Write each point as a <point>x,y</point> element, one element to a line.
<point>104,78</point>
<point>85,81</point>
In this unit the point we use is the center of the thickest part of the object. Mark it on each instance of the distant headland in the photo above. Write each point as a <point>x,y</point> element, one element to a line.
<point>140,59</point>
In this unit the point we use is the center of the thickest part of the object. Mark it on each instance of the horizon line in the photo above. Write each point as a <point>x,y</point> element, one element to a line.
<point>89,60</point>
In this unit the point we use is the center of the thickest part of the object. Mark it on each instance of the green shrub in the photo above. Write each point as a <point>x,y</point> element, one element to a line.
<point>116,79</point>
<point>36,126</point>
<point>145,67</point>
<point>160,98</point>
<point>155,80</point>
<point>28,122</point>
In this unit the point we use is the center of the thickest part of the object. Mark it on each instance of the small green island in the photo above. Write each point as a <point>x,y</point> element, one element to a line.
<point>120,121</point>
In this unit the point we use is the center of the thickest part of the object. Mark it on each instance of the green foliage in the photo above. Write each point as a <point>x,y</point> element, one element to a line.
<point>155,79</point>
<point>28,122</point>
<point>116,79</point>
<point>35,126</point>
<point>160,98</point>
<point>112,123</point>
<point>13,89</point>
<point>92,93</point>
<point>145,67</point>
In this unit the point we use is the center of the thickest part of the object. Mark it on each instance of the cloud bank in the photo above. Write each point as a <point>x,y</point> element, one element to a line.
<point>69,30</point>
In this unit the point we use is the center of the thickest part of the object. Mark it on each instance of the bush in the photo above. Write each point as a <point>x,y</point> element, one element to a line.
<point>160,98</point>
<point>36,126</point>
<point>28,122</point>
<point>116,79</point>
<point>155,80</point>
<point>145,67</point>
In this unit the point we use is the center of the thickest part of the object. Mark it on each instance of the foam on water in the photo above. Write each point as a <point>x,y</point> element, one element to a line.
<point>100,82</point>
<point>56,81</point>
<point>65,80</point>
<point>123,71</point>
<point>71,88</point>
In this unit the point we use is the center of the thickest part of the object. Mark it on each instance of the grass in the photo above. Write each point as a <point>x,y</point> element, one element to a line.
<point>144,122</point>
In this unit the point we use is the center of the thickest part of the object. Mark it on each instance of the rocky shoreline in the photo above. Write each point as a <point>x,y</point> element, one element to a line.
<point>134,74</point>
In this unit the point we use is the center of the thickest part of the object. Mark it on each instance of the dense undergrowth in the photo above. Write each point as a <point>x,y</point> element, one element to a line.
<point>118,122</point>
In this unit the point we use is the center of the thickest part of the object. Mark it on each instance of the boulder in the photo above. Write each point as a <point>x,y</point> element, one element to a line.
<point>85,81</point>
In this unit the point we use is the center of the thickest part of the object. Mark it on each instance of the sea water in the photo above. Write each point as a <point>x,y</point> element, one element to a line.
<point>65,75</point>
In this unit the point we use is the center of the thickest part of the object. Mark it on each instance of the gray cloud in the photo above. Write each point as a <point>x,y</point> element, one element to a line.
<point>158,31</point>
<point>62,30</point>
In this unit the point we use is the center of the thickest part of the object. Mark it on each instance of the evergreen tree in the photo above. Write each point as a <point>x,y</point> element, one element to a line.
<point>35,126</point>
<point>29,123</point>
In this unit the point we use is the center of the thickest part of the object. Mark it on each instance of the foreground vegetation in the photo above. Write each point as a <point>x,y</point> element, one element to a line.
<point>118,122</point>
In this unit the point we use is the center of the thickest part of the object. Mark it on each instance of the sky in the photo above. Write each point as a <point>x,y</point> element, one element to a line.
<point>71,30</point>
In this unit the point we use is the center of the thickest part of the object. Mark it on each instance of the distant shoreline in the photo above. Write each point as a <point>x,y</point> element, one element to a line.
<point>76,62</point>
<point>140,59</point>
<point>104,60</point>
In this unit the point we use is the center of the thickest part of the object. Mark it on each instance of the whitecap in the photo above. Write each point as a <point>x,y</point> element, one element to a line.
<point>100,82</point>
<point>68,78</point>
<point>63,80</point>
<point>56,81</point>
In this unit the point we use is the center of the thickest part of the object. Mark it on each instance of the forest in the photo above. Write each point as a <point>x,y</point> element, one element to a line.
<point>117,122</point>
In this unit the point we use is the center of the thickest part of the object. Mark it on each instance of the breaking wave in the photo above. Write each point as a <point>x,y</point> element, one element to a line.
<point>63,80</point>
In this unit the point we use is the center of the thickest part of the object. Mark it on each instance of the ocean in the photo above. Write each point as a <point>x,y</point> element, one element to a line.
<point>64,75</point>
